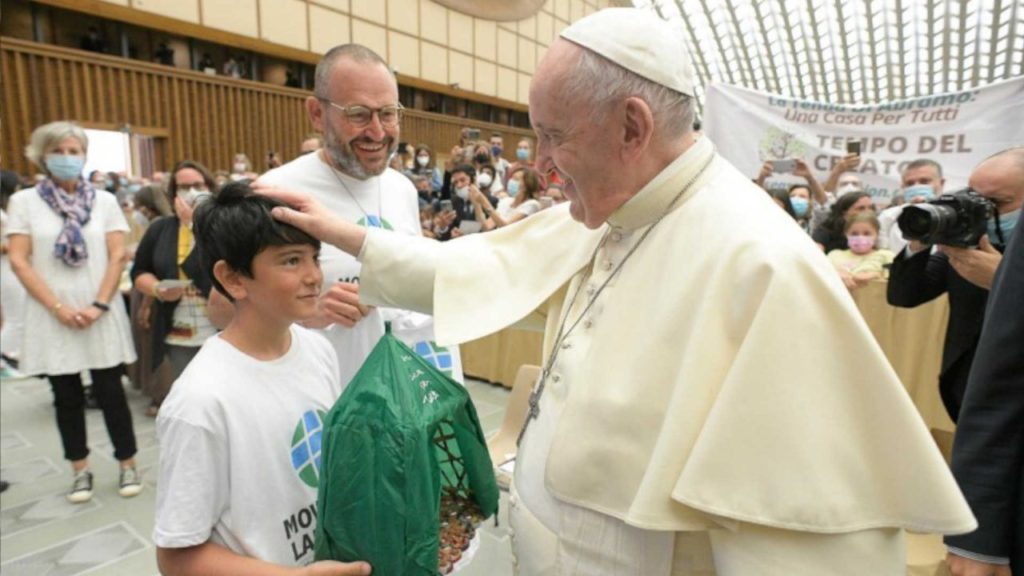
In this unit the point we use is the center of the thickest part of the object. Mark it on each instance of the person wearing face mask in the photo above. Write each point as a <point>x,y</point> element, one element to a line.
<point>148,204</point>
<point>811,204</point>
<point>862,262</point>
<point>98,179</point>
<point>800,200</point>
<point>241,167</point>
<point>501,165</point>
<point>487,179</point>
<point>841,179</point>
<point>482,158</point>
<point>138,220</point>
<point>829,234</point>
<point>115,181</point>
<point>67,247</point>
<point>524,188</point>
<point>524,158</point>
<point>468,202</point>
<point>920,274</point>
<point>167,268</point>
<point>988,463</point>
<point>424,165</point>
<point>922,181</point>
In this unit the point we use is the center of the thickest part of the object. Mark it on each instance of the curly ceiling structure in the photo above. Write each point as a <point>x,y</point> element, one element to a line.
<point>850,51</point>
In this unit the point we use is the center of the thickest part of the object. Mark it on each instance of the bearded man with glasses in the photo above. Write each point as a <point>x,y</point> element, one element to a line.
<point>355,107</point>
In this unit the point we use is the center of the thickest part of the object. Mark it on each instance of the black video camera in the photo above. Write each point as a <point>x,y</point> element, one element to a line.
<point>958,219</point>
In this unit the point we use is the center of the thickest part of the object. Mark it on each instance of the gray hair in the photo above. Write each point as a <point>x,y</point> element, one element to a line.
<point>354,52</point>
<point>599,82</point>
<point>924,163</point>
<point>49,135</point>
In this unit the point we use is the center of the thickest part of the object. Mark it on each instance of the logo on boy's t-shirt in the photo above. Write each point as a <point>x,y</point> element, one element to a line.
<point>439,356</point>
<point>374,221</point>
<point>306,447</point>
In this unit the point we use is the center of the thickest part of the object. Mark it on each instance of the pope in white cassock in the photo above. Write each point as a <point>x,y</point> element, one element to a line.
<point>676,429</point>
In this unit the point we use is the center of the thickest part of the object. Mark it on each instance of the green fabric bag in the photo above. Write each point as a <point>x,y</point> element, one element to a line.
<point>400,432</point>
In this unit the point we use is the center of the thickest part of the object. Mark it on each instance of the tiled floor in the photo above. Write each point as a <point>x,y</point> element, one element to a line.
<point>42,535</point>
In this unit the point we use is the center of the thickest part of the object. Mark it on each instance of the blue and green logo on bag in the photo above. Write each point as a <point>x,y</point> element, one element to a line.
<point>306,447</point>
<point>438,356</point>
<point>374,221</point>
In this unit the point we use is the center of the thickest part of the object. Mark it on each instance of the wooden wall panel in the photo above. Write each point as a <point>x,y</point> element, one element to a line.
<point>192,115</point>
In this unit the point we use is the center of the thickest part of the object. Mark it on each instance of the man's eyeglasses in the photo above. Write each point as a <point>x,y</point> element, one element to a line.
<point>361,115</point>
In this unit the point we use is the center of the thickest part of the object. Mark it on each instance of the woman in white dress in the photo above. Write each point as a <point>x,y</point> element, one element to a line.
<point>67,247</point>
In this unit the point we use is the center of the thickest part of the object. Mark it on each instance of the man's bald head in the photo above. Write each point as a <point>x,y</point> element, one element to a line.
<point>354,52</point>
<point>1000,178</point>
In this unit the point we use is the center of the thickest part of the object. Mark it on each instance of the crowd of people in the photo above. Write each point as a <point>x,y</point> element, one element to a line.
<point>862,239</point>
<point>475,189</point>
<point>187,284</point>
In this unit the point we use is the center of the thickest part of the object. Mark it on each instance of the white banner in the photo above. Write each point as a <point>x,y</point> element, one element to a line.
<point>957,130</point>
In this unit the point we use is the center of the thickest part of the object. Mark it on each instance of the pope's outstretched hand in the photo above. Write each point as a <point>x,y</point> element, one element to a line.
<point>314,218</point>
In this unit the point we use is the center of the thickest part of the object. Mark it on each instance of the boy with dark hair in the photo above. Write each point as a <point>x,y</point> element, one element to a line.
<point>240,431</point>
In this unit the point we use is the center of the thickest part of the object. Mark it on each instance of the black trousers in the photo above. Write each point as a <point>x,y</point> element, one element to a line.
<point>69,400</point>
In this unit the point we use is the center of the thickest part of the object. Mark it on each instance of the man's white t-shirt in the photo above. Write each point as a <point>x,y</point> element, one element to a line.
<point>240,449</point>
<point>387,201</point>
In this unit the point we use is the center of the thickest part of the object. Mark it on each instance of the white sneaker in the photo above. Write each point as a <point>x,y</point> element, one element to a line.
<point>130,483</point>
<point>81,488</point>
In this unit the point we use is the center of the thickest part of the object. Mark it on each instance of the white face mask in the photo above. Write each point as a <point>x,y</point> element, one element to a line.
<point>239,167</point>
<point>423,160</point>
<point>193,196</point>
<point>484,180</point>
<point>847,188</point>
<point>462,192</point>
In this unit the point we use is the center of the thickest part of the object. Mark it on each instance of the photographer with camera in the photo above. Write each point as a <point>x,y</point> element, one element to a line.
<point>988,462</point>
<point>971,228</point>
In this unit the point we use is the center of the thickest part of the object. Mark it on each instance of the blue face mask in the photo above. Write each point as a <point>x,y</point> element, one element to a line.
<point>522,154</point>
<point>496,151</point>
<point>1007,222</point>
<point>800,205</point>
<point>919,190</point>
<point>513,187</point>
<point>65,167</point>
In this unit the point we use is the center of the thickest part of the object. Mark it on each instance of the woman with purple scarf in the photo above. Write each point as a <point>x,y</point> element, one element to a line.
<point>67,246</point>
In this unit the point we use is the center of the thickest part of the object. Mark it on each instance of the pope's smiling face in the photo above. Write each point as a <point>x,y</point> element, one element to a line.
<point>583,153</point>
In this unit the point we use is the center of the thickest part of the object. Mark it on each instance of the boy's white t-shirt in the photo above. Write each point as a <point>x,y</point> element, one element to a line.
<point>387,201</point>
<point>240,449</point>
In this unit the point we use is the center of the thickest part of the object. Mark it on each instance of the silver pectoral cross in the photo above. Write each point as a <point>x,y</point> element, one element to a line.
<point>534,406</point>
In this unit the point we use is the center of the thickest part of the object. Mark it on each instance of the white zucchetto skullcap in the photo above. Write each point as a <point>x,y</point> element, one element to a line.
<point>639,41</point>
